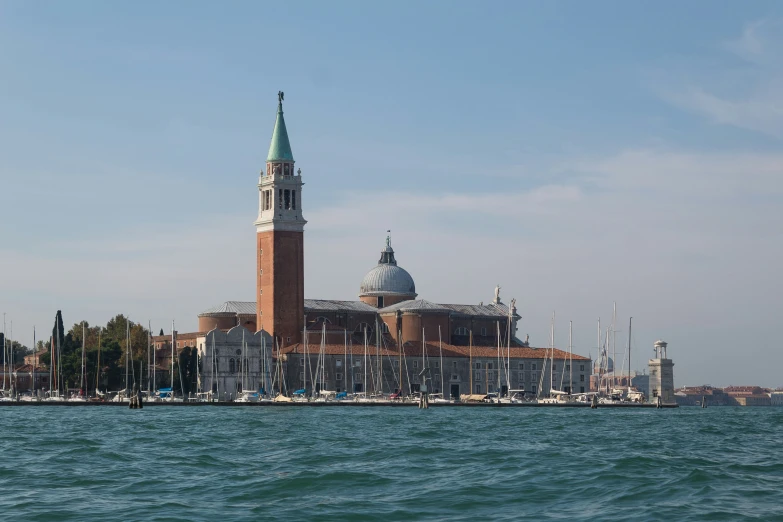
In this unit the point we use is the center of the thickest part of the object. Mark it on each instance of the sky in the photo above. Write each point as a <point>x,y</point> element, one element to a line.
<point>577,154</point>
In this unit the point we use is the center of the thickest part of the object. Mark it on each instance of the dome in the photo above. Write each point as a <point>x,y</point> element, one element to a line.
<point>609,364</point>
<point>387,278</point>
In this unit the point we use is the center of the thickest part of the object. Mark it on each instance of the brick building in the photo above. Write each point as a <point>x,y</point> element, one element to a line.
<point>388,314</point>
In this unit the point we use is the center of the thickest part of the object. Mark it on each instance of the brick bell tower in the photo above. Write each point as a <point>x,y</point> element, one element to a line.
<point>280,241</point>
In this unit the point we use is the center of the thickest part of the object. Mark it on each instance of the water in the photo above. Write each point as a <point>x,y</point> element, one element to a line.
<point>265,463</point>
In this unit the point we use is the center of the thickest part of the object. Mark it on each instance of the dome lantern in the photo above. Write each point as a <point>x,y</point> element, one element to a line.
<point>387,283</point>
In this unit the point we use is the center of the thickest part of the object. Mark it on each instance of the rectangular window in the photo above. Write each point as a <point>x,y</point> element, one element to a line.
<point>454,377</point>
<point>521,366</point>
<point>581,389</point>
<point>437,364</point>
<point>478,365</point>
<point>478,388</point>
<point>415,364</point>
<point>436,376</point>
<point>478,376</point>
<point>581,367</point>
<point>338,363</point>
<point>554,367</point>
<point>533,366</point>
<point>454,363</point>
<point>279,198</point>
<point>534,389</point>
<point>287,199</point>
<point>358,364</point>
<point>358,377</point>
<point>293,199</point>
<point>301,361</point>
<point>491,376</point>
<point>396,364</point>
<point>490,366</point>
<point>568,367</point>
<point>301,376</point>
<point>483,331</point>
<point>582,378</point>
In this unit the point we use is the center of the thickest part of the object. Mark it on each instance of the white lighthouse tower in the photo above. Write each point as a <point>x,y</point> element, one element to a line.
<point>661,375</point>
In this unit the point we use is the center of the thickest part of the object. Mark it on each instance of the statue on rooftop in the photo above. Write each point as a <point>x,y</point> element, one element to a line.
<point>280,95</point>
<point>497,294</point>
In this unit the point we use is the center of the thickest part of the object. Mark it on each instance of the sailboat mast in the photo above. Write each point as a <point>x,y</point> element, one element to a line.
<point>35,359</point>
<point>442,369</point>
<point>614,341</point>
<point>423,358</point>
<point>306,359</point>
<point>470,362</point>
<point>84,343</point>
<point>345,358</point>
<point>552,351</point>
<point>149,365</point>
<point>171,394</point>
<point>98,365</point>
<point>630,320</point>
<point>500,364</point>
<point>364,387</point>
<point>127,352</point>
<point>570,359</point>
<point>378,360</point>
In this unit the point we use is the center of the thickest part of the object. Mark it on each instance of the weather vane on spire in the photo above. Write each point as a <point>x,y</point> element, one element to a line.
<point>280,96</point>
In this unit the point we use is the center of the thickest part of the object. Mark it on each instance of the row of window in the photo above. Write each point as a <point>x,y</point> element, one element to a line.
<point>286,199</point>
<point>288,169</point>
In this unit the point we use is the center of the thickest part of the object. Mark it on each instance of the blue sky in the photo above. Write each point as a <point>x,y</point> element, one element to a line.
<point>575,153</point>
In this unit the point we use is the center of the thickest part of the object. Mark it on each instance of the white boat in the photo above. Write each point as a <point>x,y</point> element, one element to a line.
<point>247,396</point>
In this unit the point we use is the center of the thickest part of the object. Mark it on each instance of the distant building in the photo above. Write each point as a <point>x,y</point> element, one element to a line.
<point>661,375</point>
<point>389,316</point>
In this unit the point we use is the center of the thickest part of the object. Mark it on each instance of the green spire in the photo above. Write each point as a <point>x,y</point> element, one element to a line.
<point>280,148</point>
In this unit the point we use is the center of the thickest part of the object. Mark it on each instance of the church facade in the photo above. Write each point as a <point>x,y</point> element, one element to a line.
<point>396,339</point>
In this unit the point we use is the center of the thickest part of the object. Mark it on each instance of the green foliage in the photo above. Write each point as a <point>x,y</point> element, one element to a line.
<point>105,362</point>
<point>188,361</point>
<point>7,347</point>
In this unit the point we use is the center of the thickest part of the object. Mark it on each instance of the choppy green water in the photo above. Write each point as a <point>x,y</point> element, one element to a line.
<point>212,463</point>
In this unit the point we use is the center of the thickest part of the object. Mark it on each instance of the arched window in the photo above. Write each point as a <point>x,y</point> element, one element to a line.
<point>232,366</point>
<point>461,331</point>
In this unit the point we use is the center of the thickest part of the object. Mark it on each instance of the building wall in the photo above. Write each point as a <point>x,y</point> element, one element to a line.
<point>280,284</point>
<point>219,321</point>
<point>347,373</point>
<point>661,380</point>
<point>388,300</point>
<point>222,370</point>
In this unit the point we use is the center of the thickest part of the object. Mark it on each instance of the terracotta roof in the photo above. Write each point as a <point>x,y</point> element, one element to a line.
<point>186,336</point>
<point>414,349</point>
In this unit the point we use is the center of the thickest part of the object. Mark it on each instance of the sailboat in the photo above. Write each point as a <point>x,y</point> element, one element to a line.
<point>245,395</point>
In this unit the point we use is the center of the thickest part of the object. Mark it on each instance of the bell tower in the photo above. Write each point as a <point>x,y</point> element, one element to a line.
<point>280,241</point>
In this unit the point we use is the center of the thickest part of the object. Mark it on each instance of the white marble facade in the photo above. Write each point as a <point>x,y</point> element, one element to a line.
<point>234,361</point>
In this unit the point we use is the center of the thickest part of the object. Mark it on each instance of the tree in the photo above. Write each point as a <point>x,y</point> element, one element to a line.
<point>187,360</point>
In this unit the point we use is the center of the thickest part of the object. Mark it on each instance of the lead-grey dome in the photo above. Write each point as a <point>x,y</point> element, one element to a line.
<point>387,278</point>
